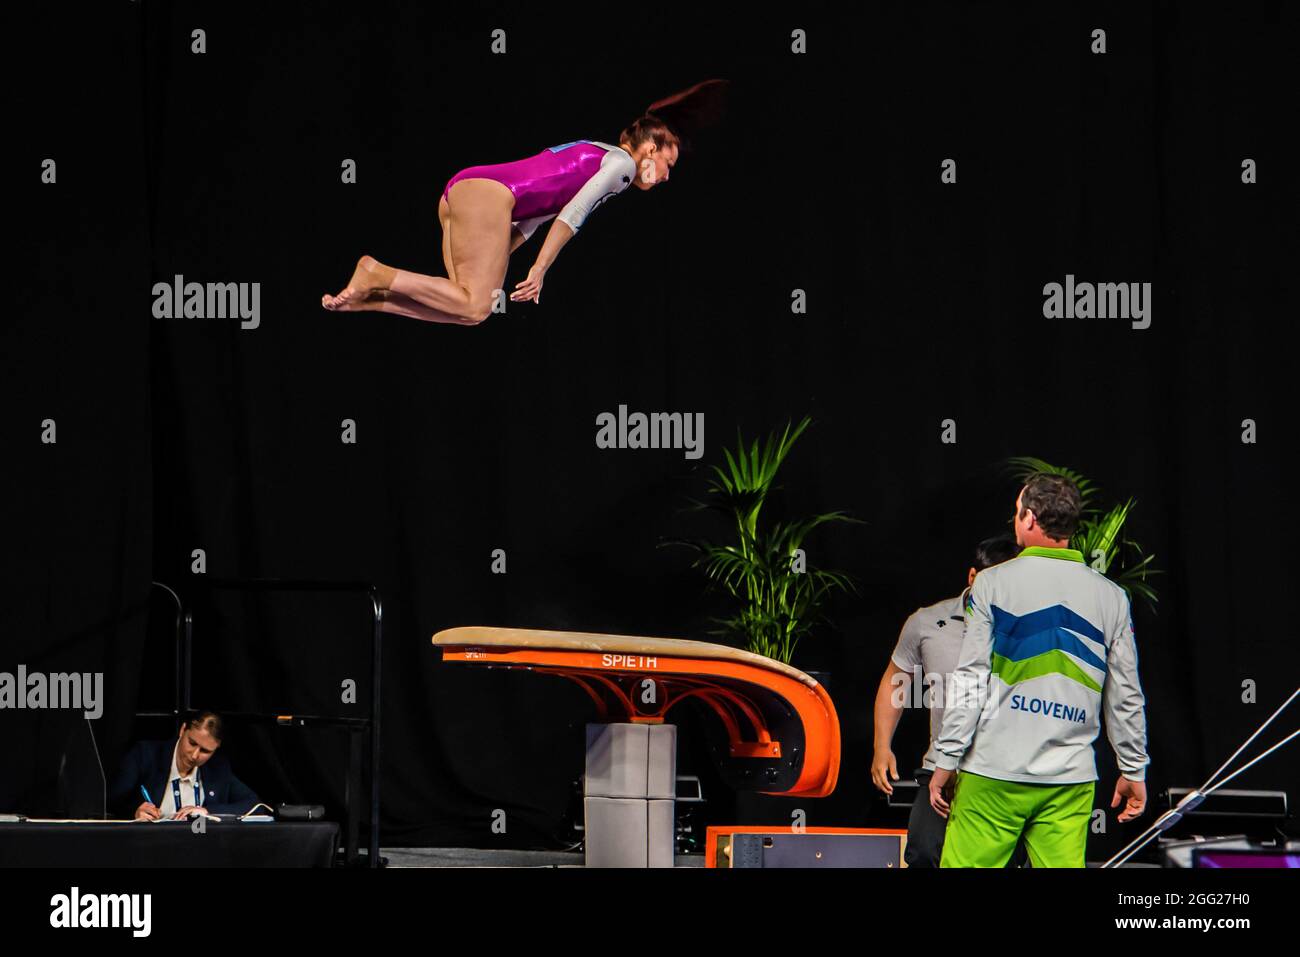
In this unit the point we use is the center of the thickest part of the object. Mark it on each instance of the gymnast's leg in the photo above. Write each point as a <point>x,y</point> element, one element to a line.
<point>477,241</point>
<point>370,290</point>
<point>385,300</point>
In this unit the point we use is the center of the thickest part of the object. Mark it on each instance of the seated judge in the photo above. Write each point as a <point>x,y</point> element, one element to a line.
<point>181,778</point>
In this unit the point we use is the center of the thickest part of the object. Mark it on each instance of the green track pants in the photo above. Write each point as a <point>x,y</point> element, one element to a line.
<point>987,816</point>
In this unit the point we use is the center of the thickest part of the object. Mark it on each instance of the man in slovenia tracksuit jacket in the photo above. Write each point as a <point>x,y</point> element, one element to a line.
<point>1048,646</point>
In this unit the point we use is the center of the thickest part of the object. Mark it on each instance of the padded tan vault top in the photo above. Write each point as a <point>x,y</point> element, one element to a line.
<point>481,636</point>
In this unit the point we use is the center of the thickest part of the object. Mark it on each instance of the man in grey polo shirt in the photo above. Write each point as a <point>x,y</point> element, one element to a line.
<point>928,646</point>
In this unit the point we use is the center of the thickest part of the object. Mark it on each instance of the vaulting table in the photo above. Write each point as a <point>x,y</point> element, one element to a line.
<point>777,730</point>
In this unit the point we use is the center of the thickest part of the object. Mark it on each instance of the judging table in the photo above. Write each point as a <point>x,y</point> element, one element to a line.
<point>229,843</point>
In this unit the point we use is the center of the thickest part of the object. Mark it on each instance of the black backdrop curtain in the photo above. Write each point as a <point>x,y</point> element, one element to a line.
<point>924,304</point>
<point>74,362</point>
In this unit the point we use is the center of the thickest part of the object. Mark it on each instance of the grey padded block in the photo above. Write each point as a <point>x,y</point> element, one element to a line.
<point>616,760</point>
<point>661,823</point>
<point>615,832</point>
<point>631,760</point>
<point>661,762</point>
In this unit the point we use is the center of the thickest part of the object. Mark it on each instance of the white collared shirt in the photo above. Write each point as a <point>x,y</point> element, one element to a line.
<point>168,806</point>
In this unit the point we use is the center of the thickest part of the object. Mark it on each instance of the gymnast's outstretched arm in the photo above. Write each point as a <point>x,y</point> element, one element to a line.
<point>615,173</point>
<point>531,288</point>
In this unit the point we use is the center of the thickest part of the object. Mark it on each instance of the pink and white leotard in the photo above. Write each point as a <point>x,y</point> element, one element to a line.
<point>567,181</point>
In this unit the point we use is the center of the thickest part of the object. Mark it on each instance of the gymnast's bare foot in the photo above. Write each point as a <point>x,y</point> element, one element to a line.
<point>369,278</point>
<point>373,302</point>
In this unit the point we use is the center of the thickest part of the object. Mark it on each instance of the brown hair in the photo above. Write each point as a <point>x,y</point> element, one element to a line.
<point>1055,502</point>
<point>208,721</point>
<point>647,126</point>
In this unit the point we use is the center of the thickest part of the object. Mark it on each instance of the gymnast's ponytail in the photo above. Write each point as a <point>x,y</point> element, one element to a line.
<point>680,119</point>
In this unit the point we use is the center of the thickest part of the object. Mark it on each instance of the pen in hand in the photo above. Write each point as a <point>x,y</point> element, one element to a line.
<point>147,807</point>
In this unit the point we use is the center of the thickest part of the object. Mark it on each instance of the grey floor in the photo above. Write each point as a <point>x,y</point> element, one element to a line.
<point>475,857</point>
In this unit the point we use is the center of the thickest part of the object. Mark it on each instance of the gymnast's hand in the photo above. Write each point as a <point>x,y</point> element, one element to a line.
<point>941,791</point>
<point>530,288</point>
<point>1135,792</point>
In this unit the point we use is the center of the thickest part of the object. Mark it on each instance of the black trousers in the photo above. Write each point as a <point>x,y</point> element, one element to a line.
<point>925,830</point>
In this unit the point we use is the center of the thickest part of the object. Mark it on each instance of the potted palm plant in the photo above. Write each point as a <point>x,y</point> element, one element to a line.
<point>1101,535</point>
<point>777,595</point>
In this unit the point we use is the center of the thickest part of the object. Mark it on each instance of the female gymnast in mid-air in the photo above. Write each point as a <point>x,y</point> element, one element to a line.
<point>487,212</point>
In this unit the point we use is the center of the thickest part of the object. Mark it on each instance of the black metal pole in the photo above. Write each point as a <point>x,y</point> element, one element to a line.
<point>376,668</point>
<point>352,800</point>
<point>178,644</point>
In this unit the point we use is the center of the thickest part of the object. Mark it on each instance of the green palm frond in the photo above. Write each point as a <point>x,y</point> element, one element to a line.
<point>777,604</point>
<point>1133,578</point>
<point>1098,537</point>
<point>788,537</point>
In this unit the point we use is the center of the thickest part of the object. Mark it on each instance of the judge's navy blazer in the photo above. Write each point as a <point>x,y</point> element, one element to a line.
<point>149,763</point>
